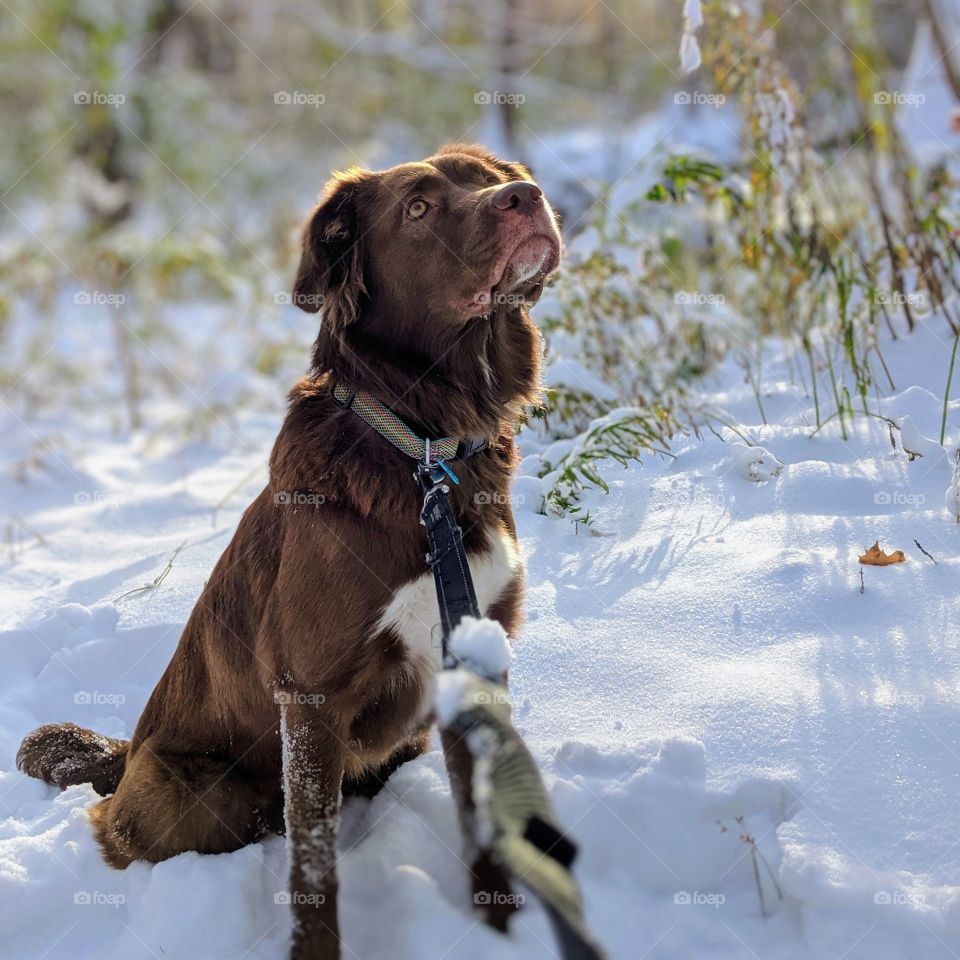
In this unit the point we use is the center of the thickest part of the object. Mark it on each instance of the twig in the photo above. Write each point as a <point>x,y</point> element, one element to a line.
<point>157,580</point>
<point>862,584</point>
<point>757,858</point>
<point>924,552</point>
<point>728,425</point>
<point>756,878</point>
<point>876,416</point>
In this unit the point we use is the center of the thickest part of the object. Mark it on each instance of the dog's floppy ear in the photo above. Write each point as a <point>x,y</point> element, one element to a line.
<point>330,274</point>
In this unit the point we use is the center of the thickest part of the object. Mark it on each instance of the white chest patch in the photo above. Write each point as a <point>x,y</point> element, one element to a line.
<point>414,614</point>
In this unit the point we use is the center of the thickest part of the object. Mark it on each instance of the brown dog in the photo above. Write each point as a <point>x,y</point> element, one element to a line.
<point>322,602</point>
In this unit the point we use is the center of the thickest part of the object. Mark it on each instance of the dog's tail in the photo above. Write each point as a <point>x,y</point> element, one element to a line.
<point>64,754</point>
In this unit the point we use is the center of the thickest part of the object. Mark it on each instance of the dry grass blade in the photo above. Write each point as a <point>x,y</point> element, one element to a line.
<point>157,580</point>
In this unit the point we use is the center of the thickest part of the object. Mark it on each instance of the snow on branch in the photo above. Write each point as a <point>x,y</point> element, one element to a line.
<point>689,47</point>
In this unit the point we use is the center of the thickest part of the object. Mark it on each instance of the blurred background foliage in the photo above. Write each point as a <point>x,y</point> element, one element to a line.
<point>159,156</point>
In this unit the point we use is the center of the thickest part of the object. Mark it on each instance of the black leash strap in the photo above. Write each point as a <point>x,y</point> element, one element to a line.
<point>448,560</point>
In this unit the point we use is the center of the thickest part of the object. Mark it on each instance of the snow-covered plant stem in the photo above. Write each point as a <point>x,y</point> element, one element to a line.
<point>946,391</point>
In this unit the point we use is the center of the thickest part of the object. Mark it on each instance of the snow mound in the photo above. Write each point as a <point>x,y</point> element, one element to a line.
<point>754,463</point>
<point>952,497</point>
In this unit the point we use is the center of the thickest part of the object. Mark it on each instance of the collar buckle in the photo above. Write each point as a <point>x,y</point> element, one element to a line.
<point>471,445</point>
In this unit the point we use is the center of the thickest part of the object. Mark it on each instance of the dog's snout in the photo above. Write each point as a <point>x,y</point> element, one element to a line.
<point>520,196</point>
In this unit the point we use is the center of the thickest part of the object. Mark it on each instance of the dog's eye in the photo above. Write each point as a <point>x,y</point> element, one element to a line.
<point>417,208</point>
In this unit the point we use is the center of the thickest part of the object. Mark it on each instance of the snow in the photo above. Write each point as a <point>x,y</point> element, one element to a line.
<point>450,694</point>
<point>719,711</point>
<point>951,498</point>
<point>915,444</point>
<point>571,373</point>
<point>482,646</point>
<point>754,462</point>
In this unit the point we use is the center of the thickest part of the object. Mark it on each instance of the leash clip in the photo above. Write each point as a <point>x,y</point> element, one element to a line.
<point>431,475</point>
<point>439,462</point>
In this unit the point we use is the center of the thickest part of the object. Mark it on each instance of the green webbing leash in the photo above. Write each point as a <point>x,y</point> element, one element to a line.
<point>512,804</point>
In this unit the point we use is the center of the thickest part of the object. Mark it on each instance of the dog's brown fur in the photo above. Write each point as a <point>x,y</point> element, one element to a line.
<point>290,613</point>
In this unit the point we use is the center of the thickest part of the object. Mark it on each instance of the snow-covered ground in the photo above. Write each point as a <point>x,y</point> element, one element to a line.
<point>729,725</point>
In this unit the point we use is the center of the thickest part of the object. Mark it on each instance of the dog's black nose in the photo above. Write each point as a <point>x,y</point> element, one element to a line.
<point>521,196</point>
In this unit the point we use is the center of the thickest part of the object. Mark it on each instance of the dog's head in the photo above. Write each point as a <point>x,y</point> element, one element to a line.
<point>423,248</point>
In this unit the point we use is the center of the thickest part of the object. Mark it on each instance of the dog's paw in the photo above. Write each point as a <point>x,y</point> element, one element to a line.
<point>63,754</point>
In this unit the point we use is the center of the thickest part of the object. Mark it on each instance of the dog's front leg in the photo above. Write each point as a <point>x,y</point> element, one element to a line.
<point>313,758</point>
